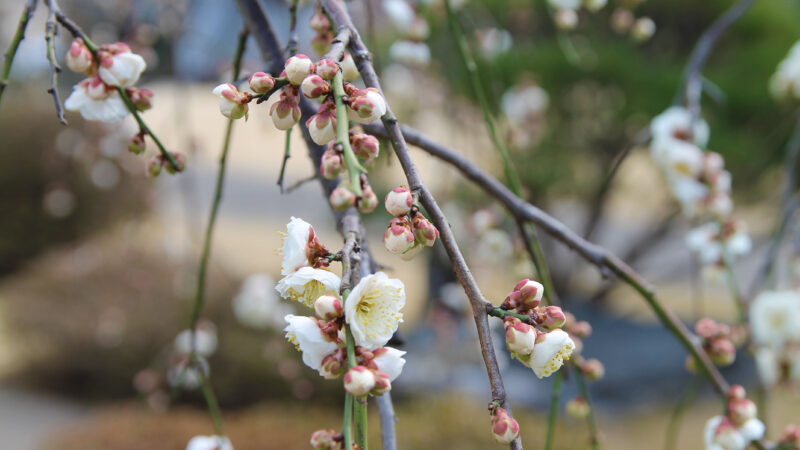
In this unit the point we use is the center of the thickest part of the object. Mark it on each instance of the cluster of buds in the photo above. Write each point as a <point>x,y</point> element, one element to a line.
<point>343,196</point>
<point>716,242</point>
<point>504,427</point>
<point>717,342</point>
<point>326,440</point>
<point>789,438</point>
<point>157,162</point>
<point>624,22</point>
<point>538,342</point>
<point>738,426</point>
<point>409,231</point>
<point>411,50</point>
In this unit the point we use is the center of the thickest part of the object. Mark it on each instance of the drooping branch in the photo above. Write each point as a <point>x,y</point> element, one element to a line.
<point>607,262</point>
<point>27,13</point>
<point>337,11</point>
<point>50,32</point>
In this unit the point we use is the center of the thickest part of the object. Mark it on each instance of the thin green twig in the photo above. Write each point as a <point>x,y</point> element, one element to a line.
<point>211,402</point>
<point>594,437</point>
<point>354,168</point>
<point>287,150</point>
<point>552,415</point>
<point>27,13</point>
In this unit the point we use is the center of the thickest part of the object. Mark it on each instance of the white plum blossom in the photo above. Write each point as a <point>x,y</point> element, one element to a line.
<point>712,246</point>
<point>676,123</point>
<point>307,337</point>
<point>205,340</point>
<point>307,284</point>
<point>775,318</point>
<point>209,443</point>
<point>257,306</point>
<point>96,101</point>
<point>389,361</point>
<point>119,66</point>
<point>373,309</point>
<point>720,434</point>
<point>550,352</point>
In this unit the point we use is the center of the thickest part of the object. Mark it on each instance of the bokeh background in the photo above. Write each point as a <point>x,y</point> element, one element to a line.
<point>97,261</point>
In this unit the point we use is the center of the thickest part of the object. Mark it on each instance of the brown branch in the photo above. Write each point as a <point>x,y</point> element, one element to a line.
<point>336,10</point>
<point>50,32</point>
<point>606,261</point>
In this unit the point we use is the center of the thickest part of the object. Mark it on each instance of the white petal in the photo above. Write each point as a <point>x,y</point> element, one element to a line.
<point>308,338</point>
<point>752,430</point>
<point>307,284</point>
<point>391,362</point>
<point>373,309</point>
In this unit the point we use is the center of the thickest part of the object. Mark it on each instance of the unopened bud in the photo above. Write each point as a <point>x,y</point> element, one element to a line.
<point>284,113</point>
<point>368,200</point>
<point>412,252</point>
<point>326,68</point>
<point>382,383</point>
<point>504,428</point>
<point>581,329</point>
<point>707,328</point>
<point>530,294</point>
<point>424,231</point>
<point>365,146</point>
<point>325,440</point>
<point>592,369</point>
<point>153,166</point>
<point>736,392</point>
<point>349,69</point>
<point>790,436</point>
<point>261,82</point>
<point>142,99</point>
<point>553,318</point>
<point>398,236</point>
<point>297,68</point>
<point>136,144</point>
<point>333,365</point>
<point>180,161</point>
<point>367,106</point>
<point>520,337</point>
<point>322,126</point>
<point>398,201</point>
<point>332,164</point>
<point>358,381</point>
<point>721,351</point>
<point>742,410</point>
<point>319,22</point>
<point>314,86</point>
<point>328,307</point>
<point>342,198</point>
<point>79,58</point>
<point>321,42</point>
<point>578,408</point>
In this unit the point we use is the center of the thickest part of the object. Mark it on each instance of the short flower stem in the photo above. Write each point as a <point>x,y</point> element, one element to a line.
<point>552,415</point>
<point>594,438</point>
<point>358,405</point>
<point>287,150</point>
<point>502,313</point>
<point>354,168</point>
<point>211,402</point>
<point>27,13</point>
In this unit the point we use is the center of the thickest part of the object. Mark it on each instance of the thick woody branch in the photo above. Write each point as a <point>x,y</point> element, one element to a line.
<point>607,262</point>
<point>336,10</point>
<point>50,32</point>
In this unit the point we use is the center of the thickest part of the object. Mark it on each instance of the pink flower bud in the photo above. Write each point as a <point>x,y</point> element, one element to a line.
<point>319,22</point>
<point>365,146</point>
<point>297,68</point>
<point>284,113</point>
<point>593,369</point>
<point>368,200</point>
<point>232,103</point>
<point>721,351</point>
<point>531,293</point>
<point>326,68</point>
<point>790,436</point>
<point>179,158</point>
<point>332,164</point>
<point>367,106</point>
<point>349,69</point>
<point>382,383</point>
<point>153,166</point>
<point>334,365</point>
<point>342,198</point>
<point>553,318</point>
<point>741,410</point>
<point>520,337</point>
<point>578,408</point>
<point>314,86</point>
<point>736,392</point>
<point>504,428</point>
<point>325,440</point>
<point>398,236</point>
<point>398,201</point>
<point>142,99</point>
<point>358,381</point>
<point>261,82</point>
<point>328,307</point>
<point>136,144</point>
<point>424,231</point>
<point>322,125</point>
<point>79,58</point>
<point>581,329</point>
<point>707,328</point>
<point>321,42</point>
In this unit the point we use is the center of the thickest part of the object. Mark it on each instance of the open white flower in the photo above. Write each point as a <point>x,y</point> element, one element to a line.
<point>307,337</point>
<point>307,284</point>
<point>209,443</point>
<point>720,434</point>
<point>703,241</point>
<point>775,318</point>
<point>676,123</point>
<point>96,101</point>
<point>205,339</point>
<point>389,361</point>
<point>295,245</point>
<point>119,66</point>
<point>752,430</point>
<point>373,309</point>
<point>550,351</point>
<point>256,304</point>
